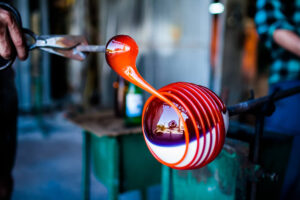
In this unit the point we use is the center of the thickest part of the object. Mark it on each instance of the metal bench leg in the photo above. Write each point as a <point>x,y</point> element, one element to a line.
<point>86,165</point>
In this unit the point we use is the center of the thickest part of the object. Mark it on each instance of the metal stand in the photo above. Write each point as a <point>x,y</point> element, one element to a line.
<point>266,109</point>
<point>261,108</point>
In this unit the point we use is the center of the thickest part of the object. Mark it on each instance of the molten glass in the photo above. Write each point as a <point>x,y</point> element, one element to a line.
<point>184,124</point>
<point>206,118</point>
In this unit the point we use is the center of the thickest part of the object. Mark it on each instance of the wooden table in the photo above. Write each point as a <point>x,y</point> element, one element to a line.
<point>118,154</point>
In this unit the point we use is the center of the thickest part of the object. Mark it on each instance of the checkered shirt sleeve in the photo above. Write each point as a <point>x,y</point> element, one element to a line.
<point>269,17</point>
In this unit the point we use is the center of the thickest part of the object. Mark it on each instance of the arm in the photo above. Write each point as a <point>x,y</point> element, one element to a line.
<point>274,28</point>
<point>288,40</point>
<point>11,37</point>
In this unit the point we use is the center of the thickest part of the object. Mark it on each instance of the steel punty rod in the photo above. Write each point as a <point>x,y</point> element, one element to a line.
<point>91,48</point>
<point>251,105</point>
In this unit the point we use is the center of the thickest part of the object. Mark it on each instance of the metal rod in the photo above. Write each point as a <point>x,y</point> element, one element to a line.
<point>91,48</point>
<point>259,129</point>
<point>250,105</point>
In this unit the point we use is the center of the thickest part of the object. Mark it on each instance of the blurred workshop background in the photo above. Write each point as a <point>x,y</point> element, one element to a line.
<point>60,152</point>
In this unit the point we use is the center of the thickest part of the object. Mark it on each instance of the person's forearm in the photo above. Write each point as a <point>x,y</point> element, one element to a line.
<point>288,40</point>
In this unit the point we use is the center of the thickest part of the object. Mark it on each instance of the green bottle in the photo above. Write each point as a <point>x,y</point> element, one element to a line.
<point>133,105</point>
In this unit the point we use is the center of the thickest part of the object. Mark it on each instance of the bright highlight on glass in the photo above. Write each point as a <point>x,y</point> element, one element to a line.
<point>216,8</point>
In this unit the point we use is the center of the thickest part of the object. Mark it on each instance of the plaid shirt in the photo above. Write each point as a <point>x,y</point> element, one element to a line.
<point>270,16</point>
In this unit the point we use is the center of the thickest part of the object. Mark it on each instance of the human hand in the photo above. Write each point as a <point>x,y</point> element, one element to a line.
<point>12,40</point>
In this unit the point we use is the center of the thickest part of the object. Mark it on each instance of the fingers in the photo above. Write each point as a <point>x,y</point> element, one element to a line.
<point>11,35</point>
<point>18,40</point>
<point>5,44</point>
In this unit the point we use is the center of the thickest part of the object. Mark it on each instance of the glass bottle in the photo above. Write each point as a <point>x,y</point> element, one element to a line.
<point>133,105</point>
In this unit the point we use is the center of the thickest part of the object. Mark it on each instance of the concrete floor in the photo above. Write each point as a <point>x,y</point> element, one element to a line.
<point>49,166</point>
<point>48,162</point>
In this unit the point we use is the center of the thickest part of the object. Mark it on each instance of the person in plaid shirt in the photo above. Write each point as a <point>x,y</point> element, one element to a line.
<point>278,26</point>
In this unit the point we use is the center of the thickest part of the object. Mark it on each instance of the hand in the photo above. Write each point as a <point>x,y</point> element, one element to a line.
<point>12,39</point>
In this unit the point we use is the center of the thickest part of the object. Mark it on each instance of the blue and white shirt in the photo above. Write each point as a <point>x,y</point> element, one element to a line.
<point>270,16</point>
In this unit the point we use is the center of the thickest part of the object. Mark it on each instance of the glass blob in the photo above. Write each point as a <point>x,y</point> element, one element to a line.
<point>162,125</point>
<point>206,120</point>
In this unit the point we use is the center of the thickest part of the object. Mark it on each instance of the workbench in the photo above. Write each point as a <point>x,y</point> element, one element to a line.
<point>117,154</point>
<point>121,161</point>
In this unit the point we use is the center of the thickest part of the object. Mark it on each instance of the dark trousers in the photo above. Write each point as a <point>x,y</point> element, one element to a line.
<point>286,119</point>
<point>8,121</point>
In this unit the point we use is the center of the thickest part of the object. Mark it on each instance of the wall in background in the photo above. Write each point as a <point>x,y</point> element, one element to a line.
<point>173,36</point>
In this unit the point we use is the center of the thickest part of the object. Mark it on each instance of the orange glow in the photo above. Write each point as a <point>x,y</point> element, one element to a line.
<point>249,58</point>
